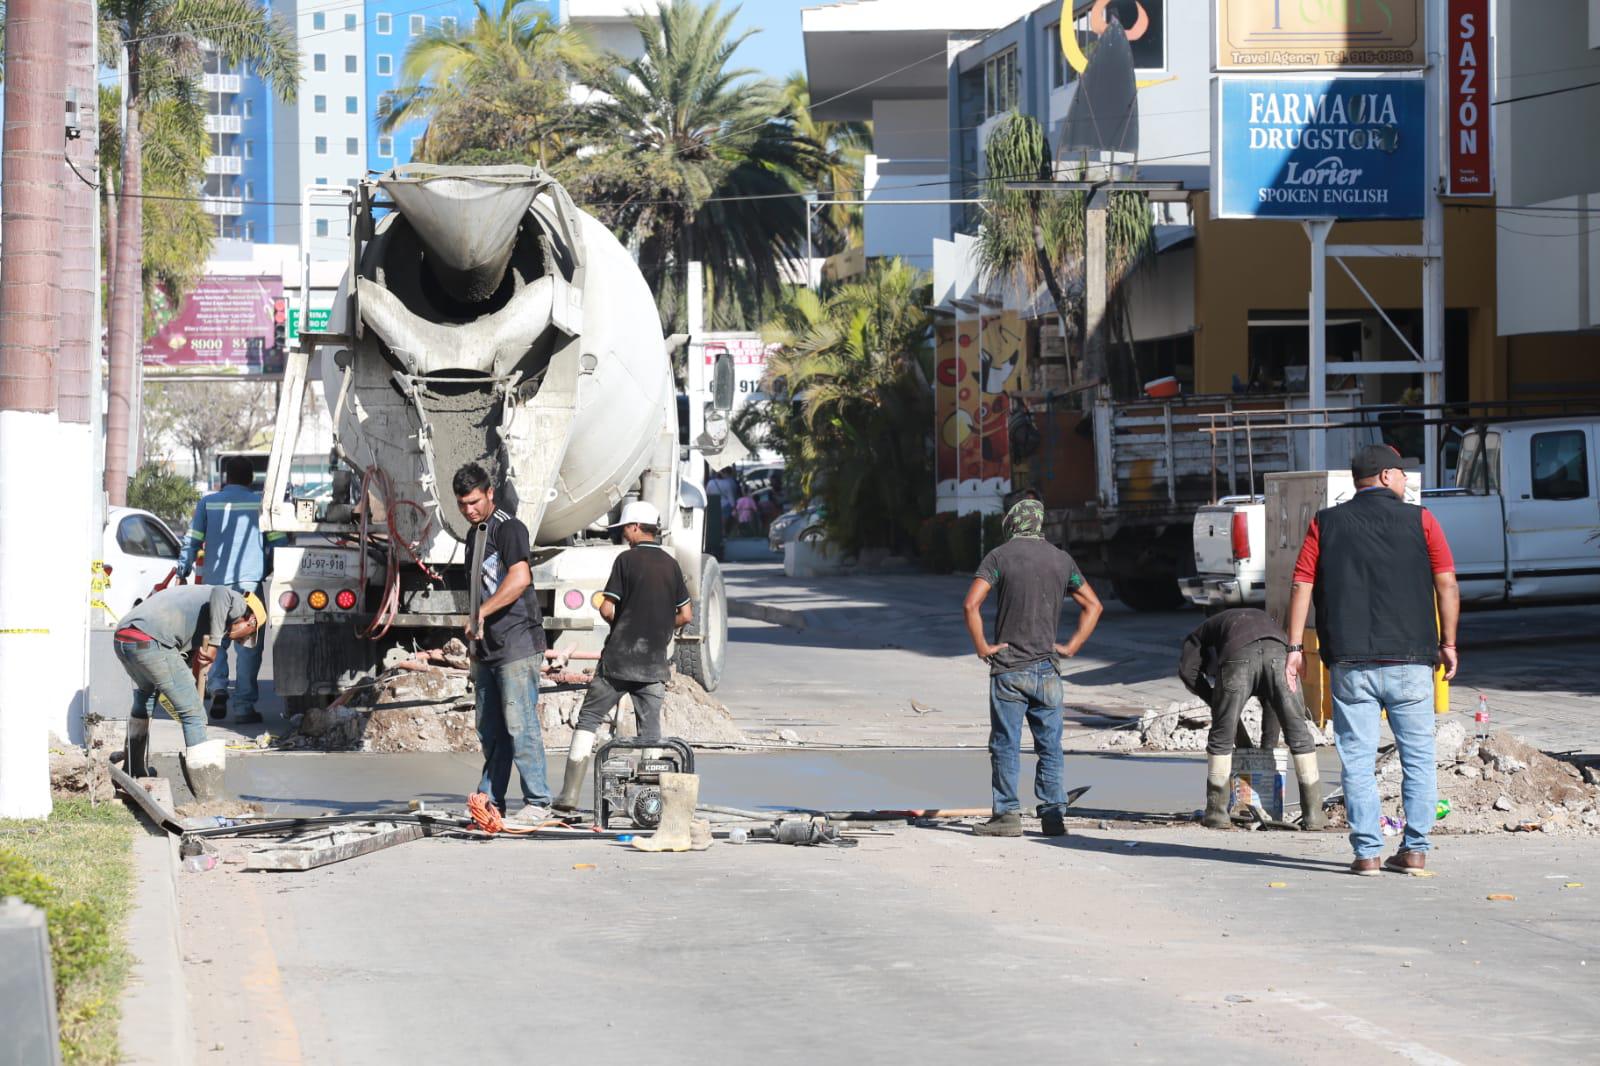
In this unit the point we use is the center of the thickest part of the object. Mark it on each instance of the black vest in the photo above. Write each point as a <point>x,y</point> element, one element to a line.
<point>1374,590</point>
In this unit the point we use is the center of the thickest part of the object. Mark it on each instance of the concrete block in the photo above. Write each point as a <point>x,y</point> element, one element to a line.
<point>27,988</point>
<point>812,558</point>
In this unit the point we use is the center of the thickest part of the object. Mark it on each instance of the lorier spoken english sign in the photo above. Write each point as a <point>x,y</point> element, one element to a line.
<point>1334,147</point>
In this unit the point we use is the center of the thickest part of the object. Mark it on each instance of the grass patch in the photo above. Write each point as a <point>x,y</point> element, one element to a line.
<point>78,866</point>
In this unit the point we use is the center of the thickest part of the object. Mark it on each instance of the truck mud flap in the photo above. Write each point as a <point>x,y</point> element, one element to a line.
<point>322,657</point>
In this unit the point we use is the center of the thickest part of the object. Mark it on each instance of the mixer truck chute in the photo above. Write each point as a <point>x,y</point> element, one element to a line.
<point>482,318</point>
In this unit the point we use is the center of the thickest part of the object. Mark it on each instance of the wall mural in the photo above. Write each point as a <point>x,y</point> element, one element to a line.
<point>982,365</point>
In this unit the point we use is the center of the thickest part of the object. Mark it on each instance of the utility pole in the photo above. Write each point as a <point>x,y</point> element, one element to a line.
<point>30,334</point>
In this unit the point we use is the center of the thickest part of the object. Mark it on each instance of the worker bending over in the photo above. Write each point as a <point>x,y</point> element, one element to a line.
<point>1244,651</point>
<point>1033,577</point>
<point>645,602</point>
<point>166,644</point>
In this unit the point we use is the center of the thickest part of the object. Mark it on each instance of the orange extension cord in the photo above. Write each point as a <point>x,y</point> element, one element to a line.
<point>485,817</point>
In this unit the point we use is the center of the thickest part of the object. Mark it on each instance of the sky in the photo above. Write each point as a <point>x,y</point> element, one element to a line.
<point>777,49</point>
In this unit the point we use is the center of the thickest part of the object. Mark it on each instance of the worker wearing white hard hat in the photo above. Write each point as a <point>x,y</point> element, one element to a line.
<point>645,602</point>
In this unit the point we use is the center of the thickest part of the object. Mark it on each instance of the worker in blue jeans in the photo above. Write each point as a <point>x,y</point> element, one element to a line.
<point>1033,578</point>
<point>227,524</point>
<point>1384,584</point>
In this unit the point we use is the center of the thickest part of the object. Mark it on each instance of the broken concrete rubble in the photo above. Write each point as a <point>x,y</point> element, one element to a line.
<point>1184,725</point>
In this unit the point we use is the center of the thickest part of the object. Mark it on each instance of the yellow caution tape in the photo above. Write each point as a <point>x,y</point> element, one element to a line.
<point>1277,884</point>
<point>24,632</point>
<point>1573,884</point>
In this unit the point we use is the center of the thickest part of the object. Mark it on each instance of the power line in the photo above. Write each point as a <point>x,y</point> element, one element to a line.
<point>1547,92</point>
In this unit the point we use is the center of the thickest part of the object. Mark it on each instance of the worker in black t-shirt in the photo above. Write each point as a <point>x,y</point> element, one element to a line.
<point>507,641</point>
<point>646,601</point>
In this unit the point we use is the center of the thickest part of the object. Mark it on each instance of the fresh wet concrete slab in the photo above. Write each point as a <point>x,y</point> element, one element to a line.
<point>300,783</point>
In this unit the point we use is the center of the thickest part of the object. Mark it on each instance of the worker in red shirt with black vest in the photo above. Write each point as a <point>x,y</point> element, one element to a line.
<point>1381,575</point>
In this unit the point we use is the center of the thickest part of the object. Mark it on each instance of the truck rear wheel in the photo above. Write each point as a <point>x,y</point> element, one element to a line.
<point>702,659</point>
<point>1148,593</point>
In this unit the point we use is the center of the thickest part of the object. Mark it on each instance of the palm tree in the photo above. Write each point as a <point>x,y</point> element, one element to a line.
<point>162,42</point>
<point>854,406</point>
<point>499,83</point>
<point>695,160</point>
<point>840,175</point>
<point>1031,238</point>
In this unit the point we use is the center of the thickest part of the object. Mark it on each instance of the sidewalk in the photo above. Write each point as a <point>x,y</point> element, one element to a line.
<point>1535,665</point>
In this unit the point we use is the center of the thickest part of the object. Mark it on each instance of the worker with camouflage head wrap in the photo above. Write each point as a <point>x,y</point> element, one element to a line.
<point>1033,577</point>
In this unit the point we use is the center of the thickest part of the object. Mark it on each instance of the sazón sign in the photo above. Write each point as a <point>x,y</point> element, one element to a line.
<point>1469,128</point>
<point>1290,35</point>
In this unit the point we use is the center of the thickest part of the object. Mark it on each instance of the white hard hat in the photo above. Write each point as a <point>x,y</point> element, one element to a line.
<point>638,512</point>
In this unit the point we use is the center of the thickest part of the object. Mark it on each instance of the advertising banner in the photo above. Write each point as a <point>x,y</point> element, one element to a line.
<point>224,325</point>
<point>947,376</point>
<point>1293,35</point>
<point>1469,129</point>
<point>749,354</point>
<point>1333,147</point>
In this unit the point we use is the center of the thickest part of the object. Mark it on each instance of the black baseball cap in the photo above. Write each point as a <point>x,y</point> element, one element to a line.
<point>1373,459</point>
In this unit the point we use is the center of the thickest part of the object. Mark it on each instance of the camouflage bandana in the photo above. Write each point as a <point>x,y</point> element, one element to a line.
<point>1025,519</point>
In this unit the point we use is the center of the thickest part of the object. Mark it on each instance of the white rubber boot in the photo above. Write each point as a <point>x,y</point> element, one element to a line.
<point>1219,771</point>
<point>578,760</point>
<point>203,765</point>
<point>700,837</point>
<point>136,748</point>
<point>1306,773</point>
<point>679,794</point>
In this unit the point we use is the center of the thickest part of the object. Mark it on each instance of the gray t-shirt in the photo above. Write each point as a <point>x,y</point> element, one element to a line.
<point>1032,577</point>
<point>177,618</point>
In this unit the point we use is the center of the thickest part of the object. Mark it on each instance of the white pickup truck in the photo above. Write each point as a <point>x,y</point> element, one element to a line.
<point>1522,519</point>
<point>1230,555</point>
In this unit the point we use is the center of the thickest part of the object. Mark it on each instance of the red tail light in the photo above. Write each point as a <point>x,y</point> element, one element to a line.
<point>345,599</point>
<point>289,600</point>
<point>1241,536</point>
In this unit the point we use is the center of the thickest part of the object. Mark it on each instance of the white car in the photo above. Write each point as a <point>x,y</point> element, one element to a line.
<point>139,551</point>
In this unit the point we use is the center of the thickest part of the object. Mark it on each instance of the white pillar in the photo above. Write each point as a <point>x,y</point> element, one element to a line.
<point>1317,370</point>
<point>695,369</point>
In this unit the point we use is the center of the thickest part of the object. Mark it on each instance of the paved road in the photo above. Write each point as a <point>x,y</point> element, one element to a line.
<point>927,946</point>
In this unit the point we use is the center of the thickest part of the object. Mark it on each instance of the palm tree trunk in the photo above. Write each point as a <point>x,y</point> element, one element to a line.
<point>78,221</point>
<point>30,332</point>
<point>127,298</point>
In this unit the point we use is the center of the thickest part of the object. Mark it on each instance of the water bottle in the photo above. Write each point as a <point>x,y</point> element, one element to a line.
<point>1481,719</point>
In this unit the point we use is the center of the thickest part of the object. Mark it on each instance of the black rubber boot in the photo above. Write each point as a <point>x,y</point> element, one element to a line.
<point>578,761</point>
<point>136,748</point>
<point>1052,823</point>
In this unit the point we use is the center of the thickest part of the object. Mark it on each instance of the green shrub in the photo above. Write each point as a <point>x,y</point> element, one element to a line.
<point>80,931</point>
<point>166,495</point>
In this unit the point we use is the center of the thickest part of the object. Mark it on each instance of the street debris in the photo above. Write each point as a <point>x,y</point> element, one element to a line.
<point>1500,897</point>
<point>424,702</point>
<point>1185,725</point>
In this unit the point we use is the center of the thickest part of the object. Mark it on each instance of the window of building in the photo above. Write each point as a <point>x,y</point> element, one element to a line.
<point>386,147</point>
<point>249,190</point>
<point>1150,47</point>
<point>350,182</point>
<point>322,181</point>
<point>349,64</point>
<point>322,227</point>
<point>249,110</point>
<point>447,23</point>
<point>319,21</point>
<point>249,231</point>
<point>249,149</point>
<point>1058,58</point>
<point>319,104</point>
<point>1000,83</point>
<point>385,64</point>
<point>350,21</point>
<point>384,24</point>
<point>321,146</point>
<point>350,105</point>
<point>319,62</point>
<point>418,24</point>
<point>352,146</point>
<point>1560,465</point>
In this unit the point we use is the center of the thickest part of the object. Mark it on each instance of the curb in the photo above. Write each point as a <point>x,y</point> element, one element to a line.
<point>766,612</point>
<point>154,1027</point>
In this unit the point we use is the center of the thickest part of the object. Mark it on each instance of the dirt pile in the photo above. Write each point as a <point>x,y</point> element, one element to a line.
<point>431,709</point>
<point>1184,725</point>
<point>1503,784</point>
<point>73,772</point>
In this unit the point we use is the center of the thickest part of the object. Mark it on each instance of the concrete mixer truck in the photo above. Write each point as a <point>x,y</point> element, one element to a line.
<point>482,318</point>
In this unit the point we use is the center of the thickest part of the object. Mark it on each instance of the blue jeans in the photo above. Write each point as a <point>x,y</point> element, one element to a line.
<point>508,729</point>
<point>155,672</point>
<point>1033,692</point>
<point>1405,690</point>
<point>247,691</point>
